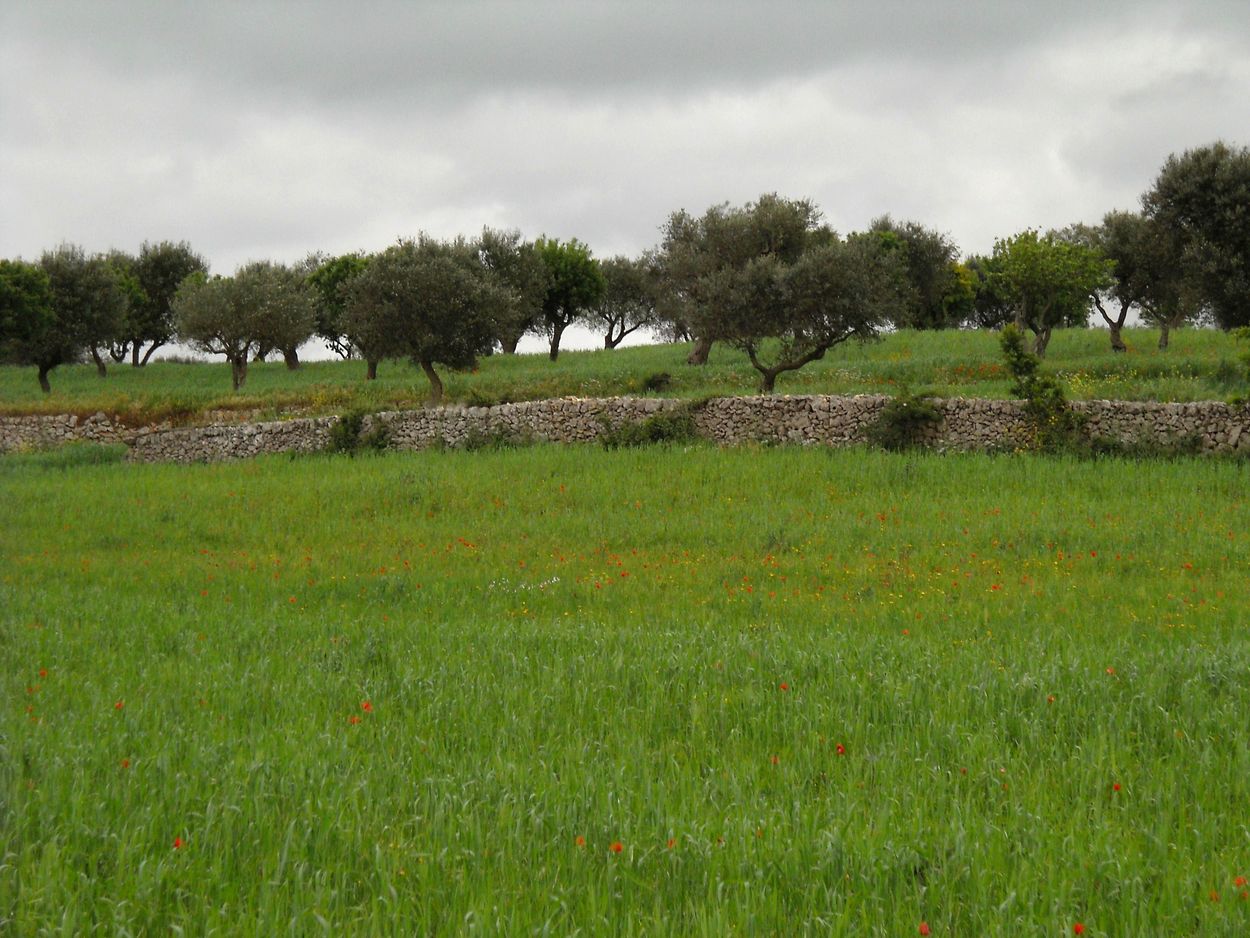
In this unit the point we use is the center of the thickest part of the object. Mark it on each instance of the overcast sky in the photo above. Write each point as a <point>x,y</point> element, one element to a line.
<point>268,130</point>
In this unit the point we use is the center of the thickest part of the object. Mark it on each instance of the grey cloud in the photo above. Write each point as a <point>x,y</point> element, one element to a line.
<point>271,129</point>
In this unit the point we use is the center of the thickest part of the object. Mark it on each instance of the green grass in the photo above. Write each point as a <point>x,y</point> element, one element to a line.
<point>633,647</point>
<point>1201,365</point>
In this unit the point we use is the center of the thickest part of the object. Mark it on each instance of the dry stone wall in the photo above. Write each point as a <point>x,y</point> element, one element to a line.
<point>806,420</point>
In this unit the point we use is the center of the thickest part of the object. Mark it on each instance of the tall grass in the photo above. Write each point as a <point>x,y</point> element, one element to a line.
<point>665,691</point>
<point>1201,365</point>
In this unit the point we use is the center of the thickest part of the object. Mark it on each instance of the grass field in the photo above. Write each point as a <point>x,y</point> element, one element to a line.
<point>665,691</point>
<point>1200,365</point>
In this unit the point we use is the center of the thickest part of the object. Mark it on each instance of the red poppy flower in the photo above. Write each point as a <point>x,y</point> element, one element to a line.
<point>924,928</point>
<point>774,760</point>
<point>783,686</point>
<point>353,720</point>
<point>579,840</point>
<point>179,843</point>
<point>1115,787</point>
<point>125,763</point>
<point>119,705</point>
<point>43,672</point>
<point>840,749</point>
<point>617,846</point>
<point>672,842</point>
<point>1239,881</point>
<point>1078,929</point>
<point>366,706</point>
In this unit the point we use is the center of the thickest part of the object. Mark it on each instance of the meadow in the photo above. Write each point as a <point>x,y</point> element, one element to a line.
<point>1202,364</point>
<point>656,691</point>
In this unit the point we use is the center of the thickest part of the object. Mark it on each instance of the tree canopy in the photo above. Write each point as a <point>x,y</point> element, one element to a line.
<point>88,299</point>
<point>1049,281</point>
<point>575,283</point>
<point>30,333</point>
<point>940,290</point>
<point>264,305</point>
<point>430,300</point>
<point>700,258</point>
<point>1201,199</point>
<point>629,298</point>
<point>519,266</point>
<point>159,271</point>
<point>327,279</point>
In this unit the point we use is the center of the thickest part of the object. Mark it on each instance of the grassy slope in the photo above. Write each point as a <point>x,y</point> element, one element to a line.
<point>1198,367</point>
<point>553,651</point>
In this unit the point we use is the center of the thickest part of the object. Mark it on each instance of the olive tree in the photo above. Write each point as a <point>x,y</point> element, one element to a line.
<point>519,266</point>
<point>89,300</point>
<point>264,305</point>
<point>152,280</point>
<point>700,257</point>
<point>30,331</point>
<point>1200,200</point>
<point>940,290</point>
<point>429,300</point>
<point>629,298</point>
<point>327,279</point>
<point>834,291</point>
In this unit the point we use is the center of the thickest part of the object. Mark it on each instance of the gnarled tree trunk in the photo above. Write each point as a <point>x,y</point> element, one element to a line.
<point>557,330</point>
<point>371,369</point>
<point>1040,341</point>
<point>238,371</point>
<point>43,378</point>
<point>291,357</point>
<point>436,383</point>
<point>100,368</point>
<point>698,355</point>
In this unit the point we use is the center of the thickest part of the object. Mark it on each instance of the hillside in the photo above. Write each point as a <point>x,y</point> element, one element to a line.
<point>1200,365</point>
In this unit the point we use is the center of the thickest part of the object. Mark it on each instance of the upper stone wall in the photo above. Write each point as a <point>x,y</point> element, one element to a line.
<point>967,423</point>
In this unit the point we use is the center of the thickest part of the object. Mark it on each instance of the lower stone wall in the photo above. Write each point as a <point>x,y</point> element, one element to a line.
<point>807,420</point>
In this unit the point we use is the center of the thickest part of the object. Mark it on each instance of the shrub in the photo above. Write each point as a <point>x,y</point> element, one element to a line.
<point>658,381</point>
<point>496,440</point>
<point>1056,425</point>
<point>348,435</point>
<point>669,427</point>
<point>903,422</point>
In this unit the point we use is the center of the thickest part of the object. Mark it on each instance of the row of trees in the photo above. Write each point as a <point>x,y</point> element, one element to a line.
<point>107,306</point>
<point>768,278</point>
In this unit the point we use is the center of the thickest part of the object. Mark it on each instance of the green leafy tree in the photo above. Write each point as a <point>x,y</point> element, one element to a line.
<point>30,331</point>
<point>1201,200</point>
<point>327,279</point>
<point>432,301</point>
<point>1049,281</point>
<point>89,301</point>
<point>992,305</point>
<point>519,266</point>
<point>1170,297</point>
<point>122,266</point>
<point>939,293</point>
<point>264,305</point>
<point>576,283</point>
<point>699,258</point>
<point>629,298</point>
<point>159,271</point>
